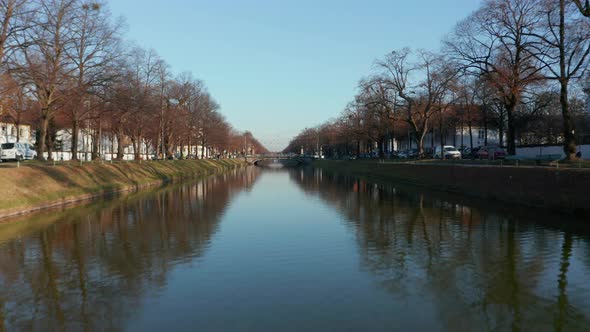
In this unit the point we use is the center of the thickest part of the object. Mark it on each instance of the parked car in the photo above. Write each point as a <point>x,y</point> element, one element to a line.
<point>464,151</point>
<point>30,152</point>
<point>413,153</point>
<point>12,151</point>
<point>447,152</point>
<point>491,153</point>
<point>471,153</point>
<point>401,155</point>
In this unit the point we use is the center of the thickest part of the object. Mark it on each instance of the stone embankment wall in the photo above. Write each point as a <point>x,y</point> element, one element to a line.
<point>564,190</point>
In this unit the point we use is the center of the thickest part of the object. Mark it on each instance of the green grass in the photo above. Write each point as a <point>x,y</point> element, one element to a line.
<point>36,184</point>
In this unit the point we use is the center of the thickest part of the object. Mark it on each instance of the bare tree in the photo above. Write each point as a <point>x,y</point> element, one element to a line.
<point>165,104</point>
<point>65,56</point>
<point>380,103</point>
<point>41,63</point>
<point>495,43</point>
<point>14,103</point>
<point>144,67</point>
<point>14,18</point>
<point>564,48</point>
<point>94,49</point>
<point>466,90</point>
<point>422,87</point>
<point>209,120</point>
<point>583,7</point>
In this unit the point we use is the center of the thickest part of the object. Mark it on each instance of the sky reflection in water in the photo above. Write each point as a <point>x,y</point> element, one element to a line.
<point>290,250</point>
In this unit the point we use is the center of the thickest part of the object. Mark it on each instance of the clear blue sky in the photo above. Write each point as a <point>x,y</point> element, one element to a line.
<point>277,66</point>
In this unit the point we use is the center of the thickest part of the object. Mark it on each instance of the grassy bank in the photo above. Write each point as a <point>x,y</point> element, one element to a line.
<point>38,186</point>
<point>563,190</point>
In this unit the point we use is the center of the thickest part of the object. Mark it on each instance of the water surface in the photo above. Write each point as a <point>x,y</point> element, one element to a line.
<point>292,250</point>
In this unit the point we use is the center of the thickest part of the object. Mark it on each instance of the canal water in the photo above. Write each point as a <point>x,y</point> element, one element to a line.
<point>293,250</point>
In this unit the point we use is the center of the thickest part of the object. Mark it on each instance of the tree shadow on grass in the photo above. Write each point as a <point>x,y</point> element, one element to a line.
<point>104,179</point>
<point>57,175</point>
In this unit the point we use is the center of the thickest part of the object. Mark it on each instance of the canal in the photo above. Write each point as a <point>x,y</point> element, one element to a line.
<point>265,249</point>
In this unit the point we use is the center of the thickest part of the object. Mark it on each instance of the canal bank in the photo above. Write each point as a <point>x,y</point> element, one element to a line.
<point>37,187</point>
<point>562,190</point>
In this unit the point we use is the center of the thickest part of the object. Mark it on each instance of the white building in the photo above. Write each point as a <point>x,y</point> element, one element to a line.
<point>10,133</point>
<point>460,138</point>
<point>108,146</point>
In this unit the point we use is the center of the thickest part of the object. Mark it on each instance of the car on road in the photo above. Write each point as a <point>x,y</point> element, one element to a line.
<point>491,153</point>
<point>447,152</point>
<point>12,151</point>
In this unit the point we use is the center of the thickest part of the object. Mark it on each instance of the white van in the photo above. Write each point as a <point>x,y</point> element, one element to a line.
<point>12,151</point>
<point>449,152</point>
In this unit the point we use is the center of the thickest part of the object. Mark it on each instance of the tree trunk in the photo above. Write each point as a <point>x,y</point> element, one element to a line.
<point>17,124</point>
<point>6,22</point>
<point>442,138</point>
<point>42,135</point>
<point>137,148</point>
<point>470,125</point>
<point>75,139</point>
<point>159,146</point>
<point>569,137</point>
<point>49,143</point>
<point>181,149</point>
<point>420,142</point>
<point>511,134</point>
<point>112,139</point>
<point>462,133</point>
<point>485,125</point>
<point>169,145</point>
<point>432,139</point>
<point>190,148</point>
<point>501,134</point>
<point>203,150</point>
<point>95,144</point>
<point>120,154</point>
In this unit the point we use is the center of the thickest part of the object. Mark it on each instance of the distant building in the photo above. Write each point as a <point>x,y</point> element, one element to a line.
<point>459,137</point>
<point>11,133</point>
<point>107,146</point>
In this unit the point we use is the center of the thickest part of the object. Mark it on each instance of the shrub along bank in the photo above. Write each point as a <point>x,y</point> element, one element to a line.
<point>563,190</point>
<point>35,187</point>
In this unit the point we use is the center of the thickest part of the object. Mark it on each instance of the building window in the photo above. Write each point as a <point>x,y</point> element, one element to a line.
<point>481,134</point>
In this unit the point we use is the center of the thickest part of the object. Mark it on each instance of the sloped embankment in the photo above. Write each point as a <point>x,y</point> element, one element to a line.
<point>35,187</point>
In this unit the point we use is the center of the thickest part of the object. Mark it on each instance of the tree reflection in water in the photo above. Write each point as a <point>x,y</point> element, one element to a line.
<point>481,266</point>
<point>88,268</point>
<point>458,264</point>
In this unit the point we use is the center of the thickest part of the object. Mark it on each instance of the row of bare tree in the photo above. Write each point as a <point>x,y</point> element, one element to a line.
<point>64,65</point>
<point>518,66</point>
